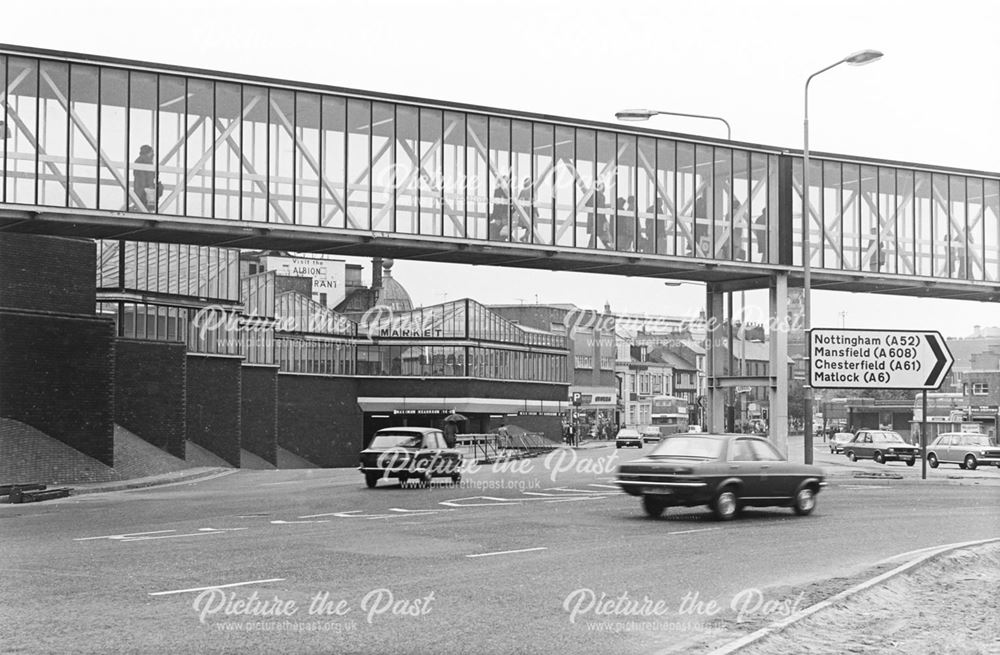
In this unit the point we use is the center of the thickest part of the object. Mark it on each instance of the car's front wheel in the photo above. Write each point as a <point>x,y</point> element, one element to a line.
<point>726,505</point>
<point>653,506</point>
<point>371,479</point>
<point>932,461</point>
<point>851,456</point>
<point>879,458</point>
<point>911,462</point>
<point>970,462</point>
<point>805,501</point>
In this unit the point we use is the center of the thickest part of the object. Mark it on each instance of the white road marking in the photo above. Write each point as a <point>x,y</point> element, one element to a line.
<point>606,486</point>
<point>217,586</point>
<point>123,536</point>
<point>280,522</point>
<point>172,536</point>
<point>690,531</point>
<point>574,499</point>
<point>508,552</point>
<point>271,484</point>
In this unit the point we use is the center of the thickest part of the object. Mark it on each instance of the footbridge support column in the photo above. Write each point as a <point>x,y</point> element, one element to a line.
<point>777,422</point>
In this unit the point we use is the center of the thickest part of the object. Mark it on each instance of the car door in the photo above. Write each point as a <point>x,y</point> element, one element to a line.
<point>863,447</point>
<point>744,465</point>
<point>950,449</point>
<point>778,476</point>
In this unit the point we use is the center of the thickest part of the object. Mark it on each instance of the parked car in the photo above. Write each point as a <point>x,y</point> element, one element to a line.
<point>838,440</point>
<point>406,454</point>
<point>966,449</point>
<point>628,437</point>
<point>881,446</point>
<point>727,472</point>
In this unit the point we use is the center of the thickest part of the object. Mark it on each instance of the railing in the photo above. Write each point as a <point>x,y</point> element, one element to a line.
<point>492,446</point>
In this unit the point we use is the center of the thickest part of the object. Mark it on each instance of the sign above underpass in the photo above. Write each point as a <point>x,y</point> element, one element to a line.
<point>877,359</point>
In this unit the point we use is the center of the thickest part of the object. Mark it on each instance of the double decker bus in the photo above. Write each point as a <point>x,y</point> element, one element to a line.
<point>669,414</point>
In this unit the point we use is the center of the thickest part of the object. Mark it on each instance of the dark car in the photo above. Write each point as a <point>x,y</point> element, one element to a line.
<point>727,472</point>
<point>419,454</point>
<point>967,449</point>
<point>882,446</point>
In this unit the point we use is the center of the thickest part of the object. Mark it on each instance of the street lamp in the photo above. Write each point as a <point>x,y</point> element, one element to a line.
<point>857,59</point>
<point>646,114</point>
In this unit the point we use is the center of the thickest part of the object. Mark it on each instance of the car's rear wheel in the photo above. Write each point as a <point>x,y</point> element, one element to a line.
<point>851,456</point>
<point>640,446</point>
<point>371,479</point>
<point>653,506</point>
<point>425,479</point>
<point>961,465</point>
<point>805,501</point>
<point>879,458</point>
<point>456,478</point>
<point>726,505</point>
<point>911,462</point>
<point>618,445</point>
<point>970,462</point>
<point>932,461</point>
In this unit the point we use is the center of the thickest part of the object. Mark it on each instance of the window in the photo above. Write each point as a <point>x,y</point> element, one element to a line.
<point>741,451</point>
<point>980,388</point>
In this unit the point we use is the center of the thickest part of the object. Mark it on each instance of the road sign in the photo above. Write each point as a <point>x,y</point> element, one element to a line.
<point>877,359</point>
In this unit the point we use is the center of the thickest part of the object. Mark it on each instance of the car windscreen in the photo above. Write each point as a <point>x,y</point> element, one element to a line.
<point>397,440</point>
<point>689,447</point>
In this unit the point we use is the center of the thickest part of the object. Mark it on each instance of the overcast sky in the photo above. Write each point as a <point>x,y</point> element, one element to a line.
<point>934,98</point>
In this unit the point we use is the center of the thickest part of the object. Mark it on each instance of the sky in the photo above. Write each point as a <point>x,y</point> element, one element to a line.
<point>932,99</point>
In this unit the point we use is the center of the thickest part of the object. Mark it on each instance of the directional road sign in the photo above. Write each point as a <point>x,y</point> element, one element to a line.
<point>877,359</point>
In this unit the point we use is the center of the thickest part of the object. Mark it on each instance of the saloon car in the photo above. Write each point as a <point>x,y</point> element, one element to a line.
<point>966,449</point>
<point>727,472</point>
<point>882,446</point>
<point>651,435</point>
<point>628,437</point>
<point>405,453</point>
<point>837,441</point>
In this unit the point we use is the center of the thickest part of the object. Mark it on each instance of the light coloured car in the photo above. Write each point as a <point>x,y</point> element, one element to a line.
<point>966,449</point>
<point>651,435</point>
<point>628,437</point>
<point>837,441</point>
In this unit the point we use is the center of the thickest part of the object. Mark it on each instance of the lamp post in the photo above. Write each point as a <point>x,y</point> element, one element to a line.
<point>646,114</point>
<point>857,59</point>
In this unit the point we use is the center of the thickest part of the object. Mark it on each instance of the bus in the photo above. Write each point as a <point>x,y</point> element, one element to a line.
<point>669,414</point>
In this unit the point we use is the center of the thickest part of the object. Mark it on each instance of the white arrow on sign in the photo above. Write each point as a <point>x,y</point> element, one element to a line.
<point>882,359</point>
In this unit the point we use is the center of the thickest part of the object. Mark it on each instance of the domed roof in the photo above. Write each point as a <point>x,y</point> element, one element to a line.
<point>392,294</point>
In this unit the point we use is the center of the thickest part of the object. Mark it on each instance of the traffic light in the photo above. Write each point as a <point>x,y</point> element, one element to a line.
<point>763,413</point>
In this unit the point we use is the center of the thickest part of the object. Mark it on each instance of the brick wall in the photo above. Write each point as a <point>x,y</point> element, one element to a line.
<point>259,419</point>
<point>150,392</point>
<point>214,405</point>
<point>57,375</point>
<point>319,419</point>
<point>43,273</point>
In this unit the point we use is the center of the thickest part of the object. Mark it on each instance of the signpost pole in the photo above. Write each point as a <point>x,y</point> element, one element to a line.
<point>923,437</point>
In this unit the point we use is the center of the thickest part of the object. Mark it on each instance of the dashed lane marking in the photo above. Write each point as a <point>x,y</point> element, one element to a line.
<point>217,586</point>
<point>508,552</point>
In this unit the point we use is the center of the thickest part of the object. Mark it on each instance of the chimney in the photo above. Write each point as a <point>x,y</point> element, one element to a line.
<point>376,273</point>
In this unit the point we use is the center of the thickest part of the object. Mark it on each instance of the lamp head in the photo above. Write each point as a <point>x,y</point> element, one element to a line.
<point>635,114</point>
<point>863,57</point>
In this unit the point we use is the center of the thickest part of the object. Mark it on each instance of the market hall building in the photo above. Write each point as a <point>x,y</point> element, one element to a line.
<point>179,348</point>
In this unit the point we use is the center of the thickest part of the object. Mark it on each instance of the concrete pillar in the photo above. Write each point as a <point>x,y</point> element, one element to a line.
<point>715,360</point>
<point>777,418</point>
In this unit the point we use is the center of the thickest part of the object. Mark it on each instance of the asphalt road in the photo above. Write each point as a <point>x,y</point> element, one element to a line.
<point>548,558</point>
